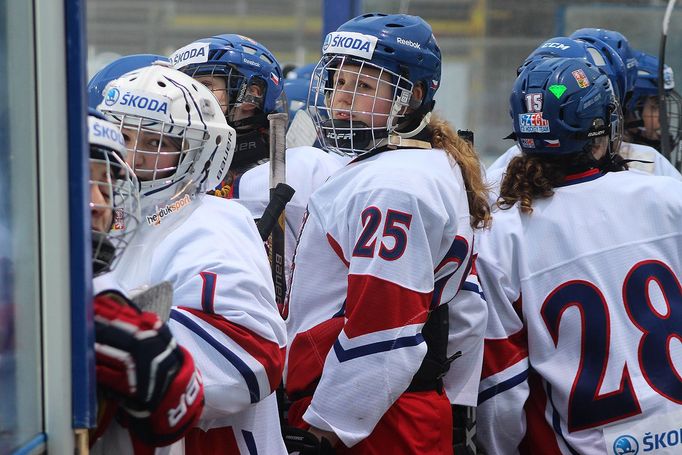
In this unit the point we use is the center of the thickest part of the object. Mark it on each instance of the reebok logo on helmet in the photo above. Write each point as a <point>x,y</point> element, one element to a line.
<point>407,42</point>
<point>350,43</point>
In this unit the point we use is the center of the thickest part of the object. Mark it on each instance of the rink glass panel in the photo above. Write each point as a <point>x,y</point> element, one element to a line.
<point>20,337</point>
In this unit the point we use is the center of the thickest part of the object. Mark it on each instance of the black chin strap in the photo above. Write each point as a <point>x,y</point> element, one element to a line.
<point>103,253</point>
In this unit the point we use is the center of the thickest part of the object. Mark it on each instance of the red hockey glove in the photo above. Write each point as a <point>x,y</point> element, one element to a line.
<point>139,363</point>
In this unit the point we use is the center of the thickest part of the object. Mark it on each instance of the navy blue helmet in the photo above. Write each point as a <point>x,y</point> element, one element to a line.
<point>642,110</point>
<point>562,106</point>
<point>618,43</point>
<point>599,54</point>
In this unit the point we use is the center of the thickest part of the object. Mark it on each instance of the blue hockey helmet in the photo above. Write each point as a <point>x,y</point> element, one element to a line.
<point>397,50</point>
<point>619,43</point>
<point>241,61</point>
<point>563,106</point>
<point>114,70</point>
<point>599,55</point>
<point>641,113</point>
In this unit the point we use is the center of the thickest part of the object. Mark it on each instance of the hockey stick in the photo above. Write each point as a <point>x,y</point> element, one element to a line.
<point>278,128</point>
<point>662,105</point>
<point>464,417</point>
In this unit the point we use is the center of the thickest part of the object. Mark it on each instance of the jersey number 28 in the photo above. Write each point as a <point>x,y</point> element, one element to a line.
<point>588,408</point>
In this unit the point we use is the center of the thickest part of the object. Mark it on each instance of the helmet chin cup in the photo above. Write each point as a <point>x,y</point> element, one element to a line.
<point>343,135</point>
<point>103,253</point>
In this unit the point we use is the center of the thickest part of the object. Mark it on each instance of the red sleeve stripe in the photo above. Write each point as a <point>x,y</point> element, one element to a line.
<point>266,352</point>
<point>337,249</point>
<point>498,355</point>
<point>382,305</point>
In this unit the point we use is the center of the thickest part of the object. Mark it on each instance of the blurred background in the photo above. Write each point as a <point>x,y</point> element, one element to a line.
<point>482,41</point>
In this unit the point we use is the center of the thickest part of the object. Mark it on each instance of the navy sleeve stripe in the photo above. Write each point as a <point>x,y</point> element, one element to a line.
<point>248,375</point>
<point>502,387</point>
<point>467,286</point>
<point>374,348</point>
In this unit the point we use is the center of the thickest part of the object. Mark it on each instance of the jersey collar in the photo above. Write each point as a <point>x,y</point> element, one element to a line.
<point>586,176</point>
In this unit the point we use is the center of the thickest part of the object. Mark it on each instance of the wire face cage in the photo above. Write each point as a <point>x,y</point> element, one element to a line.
<point>363,103</point>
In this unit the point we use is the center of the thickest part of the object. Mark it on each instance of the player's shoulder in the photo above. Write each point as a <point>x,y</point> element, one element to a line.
<point>305,156</point>
<point>216,211</point>
<point>500,164</point>
<point>411,164</point>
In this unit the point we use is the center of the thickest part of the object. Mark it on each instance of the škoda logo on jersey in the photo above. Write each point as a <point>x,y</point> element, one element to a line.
<point>350,43</point>
<point>190,54</point>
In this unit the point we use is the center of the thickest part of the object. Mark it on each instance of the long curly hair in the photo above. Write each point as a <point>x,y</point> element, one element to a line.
<point>531,177</point>
<point>444,137</point>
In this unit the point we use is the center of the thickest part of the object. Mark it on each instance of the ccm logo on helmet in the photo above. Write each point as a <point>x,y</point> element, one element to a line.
<point>408,42</point>
<point>563,47</point>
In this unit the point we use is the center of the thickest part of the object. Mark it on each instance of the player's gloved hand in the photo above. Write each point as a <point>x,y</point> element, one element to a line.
<point>304,442</point>
<point>139,363</point>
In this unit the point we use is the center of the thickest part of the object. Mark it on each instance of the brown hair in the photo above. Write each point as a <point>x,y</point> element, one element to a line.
<point>444,137</point>
<point>530,177</point>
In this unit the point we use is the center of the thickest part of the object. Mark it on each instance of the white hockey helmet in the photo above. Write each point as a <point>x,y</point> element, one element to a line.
<point>176,134</point>
<point>114,194</point>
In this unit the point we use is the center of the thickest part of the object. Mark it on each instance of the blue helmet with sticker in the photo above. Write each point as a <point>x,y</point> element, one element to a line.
<point>242,61</point>
<point>396,51</point>
<point>563,106</point>
<point>405,45</point>
<point>246,79</point>
<point>642,110</point>
<point>114,70</point>
<point>599,55</point>
<point>618,43</point>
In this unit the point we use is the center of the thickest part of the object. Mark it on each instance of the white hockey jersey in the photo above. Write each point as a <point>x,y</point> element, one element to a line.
<point>386,239</point>
<point>223,310</point>
<point>306,169</point>
<point>584,303</point>
<point>656,165</point>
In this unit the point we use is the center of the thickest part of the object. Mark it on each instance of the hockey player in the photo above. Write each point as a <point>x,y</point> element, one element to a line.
<point>385,247</point>
<point>641,114</point>
<point>581,271</point>
<point>608,60</point>
<point>146,382</point>
<point>246,79</point>
<point>224,312</point>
